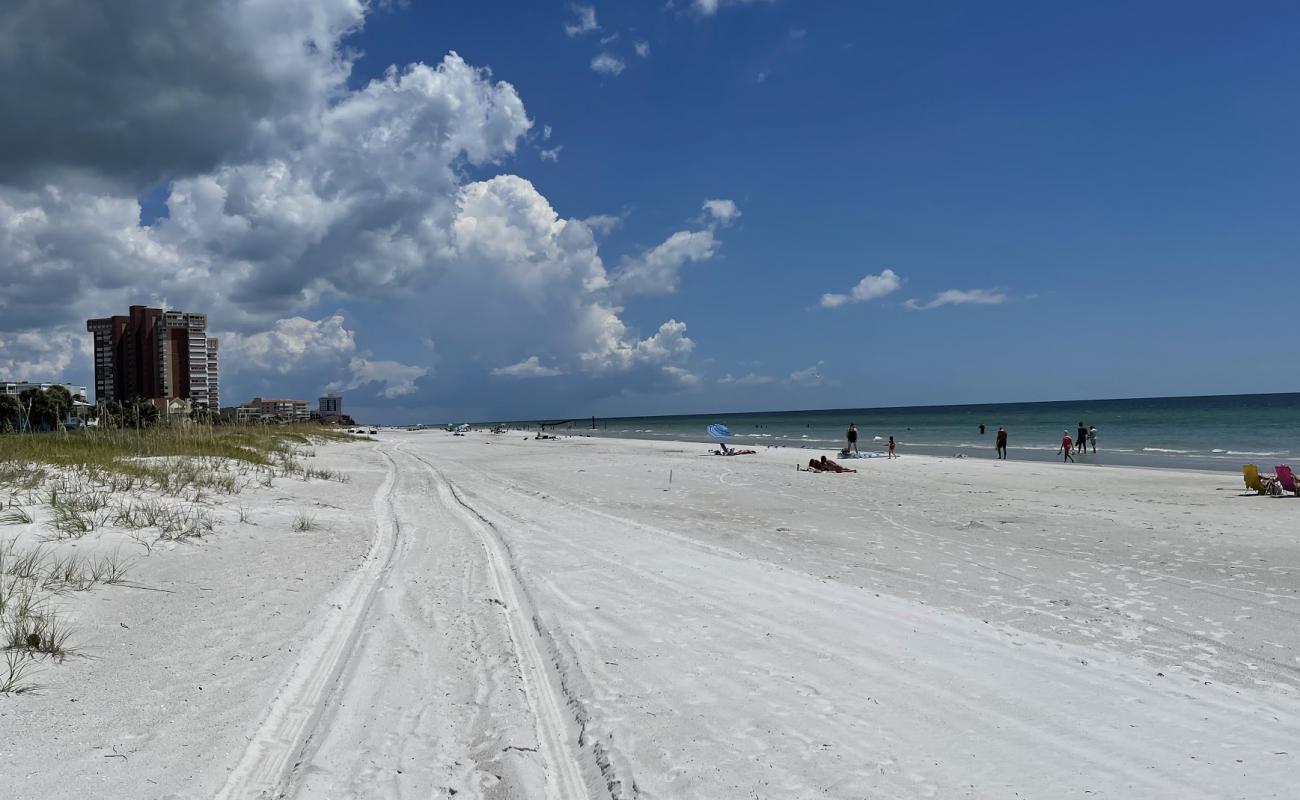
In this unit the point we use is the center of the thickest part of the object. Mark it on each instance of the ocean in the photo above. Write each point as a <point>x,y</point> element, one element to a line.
<point>1216,433</point>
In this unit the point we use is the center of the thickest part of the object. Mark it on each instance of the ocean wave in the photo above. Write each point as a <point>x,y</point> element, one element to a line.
<point>1252,453</point>
<point>1165,450</point>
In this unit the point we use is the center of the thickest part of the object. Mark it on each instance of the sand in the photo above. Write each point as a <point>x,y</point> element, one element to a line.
<point>494,617</point>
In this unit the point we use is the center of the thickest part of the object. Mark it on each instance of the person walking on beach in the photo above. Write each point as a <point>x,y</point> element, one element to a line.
<point>1067,444</point>
<point>1081,438</point>
<point>1002,442</point>
<point>853,438</point>
<point>892,454</point>
<point>1092,438</point>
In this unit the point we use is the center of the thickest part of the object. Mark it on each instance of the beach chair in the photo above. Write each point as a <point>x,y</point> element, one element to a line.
<point>1251,473</point>
<point>1287,478</point>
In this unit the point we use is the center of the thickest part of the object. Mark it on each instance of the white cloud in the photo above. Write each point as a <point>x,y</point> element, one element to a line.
<point>398,379</point>
<point>656,270</point>
<point>750,379</point>
<point>608,64</point>
<point>707,8</point>
<point>610,39</point>
<point>41,356</point>
<point>724,212</point>
<point>869,288</point>
<point>603,223</point>
<point>960,297</point>
<point>290,345</point>
<point>809,376</point>
<point>584,21</point>
<point>642,49</point>
<point>528,368</point>
<point>367,201</point>
<point>552,154</point>
<point>614,351</point>
<point>546,133</point>
<point>683,377</point>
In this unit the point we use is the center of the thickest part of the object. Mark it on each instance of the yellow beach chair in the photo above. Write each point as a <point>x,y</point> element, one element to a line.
<point>1251,473</point>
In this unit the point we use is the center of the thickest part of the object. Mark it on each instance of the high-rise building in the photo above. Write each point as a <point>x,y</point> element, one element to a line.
<point>156,355</point>
<point>330,404</point>
<point>214,395</point>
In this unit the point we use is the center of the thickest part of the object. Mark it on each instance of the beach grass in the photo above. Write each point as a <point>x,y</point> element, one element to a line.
<point>120,451</point>
<point>14,674</point>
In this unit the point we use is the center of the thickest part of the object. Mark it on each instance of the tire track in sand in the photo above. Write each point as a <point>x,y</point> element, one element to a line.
<point>274,748</point>
<point>564,768</point>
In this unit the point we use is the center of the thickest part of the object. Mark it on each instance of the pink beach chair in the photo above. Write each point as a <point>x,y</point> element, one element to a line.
<point>1287,478</point>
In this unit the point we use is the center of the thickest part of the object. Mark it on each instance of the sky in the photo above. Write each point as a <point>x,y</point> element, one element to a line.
<point>534,209</point>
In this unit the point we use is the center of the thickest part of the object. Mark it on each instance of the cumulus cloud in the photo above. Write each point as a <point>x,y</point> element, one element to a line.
<point>289,345</point>
<point>869,288</point>
<point>551,154</point>
<point>608,64</point>
<point>657,270</point>
<point>138,91</point>
<point>356,195</point>
<point>530,367</point>
<point>809,376</point>
<point>584,21</point>
<point>707,8</point>
<point>960,297</point>
<point>41,356</point>
<point>749,379</point>
<point>724,212</point>
<point>603,223</point>
<point>682,376</point>
<point>398,380</point>
<point>642,49</point>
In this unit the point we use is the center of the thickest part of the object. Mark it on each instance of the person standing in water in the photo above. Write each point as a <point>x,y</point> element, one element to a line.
<point>981,429</point>
<point>1002,442</point>
<point>853,438</point>
<point>1081,438</point>
<point>892,454</point>
<point>1092,438</point>
<point>1067,445</point>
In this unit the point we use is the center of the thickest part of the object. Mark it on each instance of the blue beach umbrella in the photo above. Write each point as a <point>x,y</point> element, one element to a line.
<point>719,431</point>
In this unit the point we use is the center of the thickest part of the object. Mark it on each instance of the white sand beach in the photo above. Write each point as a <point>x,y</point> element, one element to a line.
<point>491,616</point>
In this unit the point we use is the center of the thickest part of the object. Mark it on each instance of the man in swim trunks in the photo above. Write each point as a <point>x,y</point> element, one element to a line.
<point>853,439</point>
<point>1002,442</point>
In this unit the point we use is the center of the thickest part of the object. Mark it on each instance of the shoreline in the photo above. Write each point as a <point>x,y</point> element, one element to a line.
<point>1123,458</point>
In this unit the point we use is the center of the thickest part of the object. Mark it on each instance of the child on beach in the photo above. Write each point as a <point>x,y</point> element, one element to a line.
<point>1067,444</point>
<point>892,454</point>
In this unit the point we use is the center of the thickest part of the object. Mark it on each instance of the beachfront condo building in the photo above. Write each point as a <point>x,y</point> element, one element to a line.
<point>155,355</point>
<point>330,404</point>
<point>274,409</point>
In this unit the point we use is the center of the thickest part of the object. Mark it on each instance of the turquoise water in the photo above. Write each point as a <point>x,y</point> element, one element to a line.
<point>1220,432</point>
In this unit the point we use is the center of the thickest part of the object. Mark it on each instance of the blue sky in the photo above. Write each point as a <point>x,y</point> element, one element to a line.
<point>1115,184</point>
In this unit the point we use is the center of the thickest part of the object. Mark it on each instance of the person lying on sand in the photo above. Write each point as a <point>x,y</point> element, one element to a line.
<point>727,451</point>
<point>826,465</point>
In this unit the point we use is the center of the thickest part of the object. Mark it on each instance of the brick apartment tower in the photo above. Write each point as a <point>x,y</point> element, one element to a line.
<point>155,355</point>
